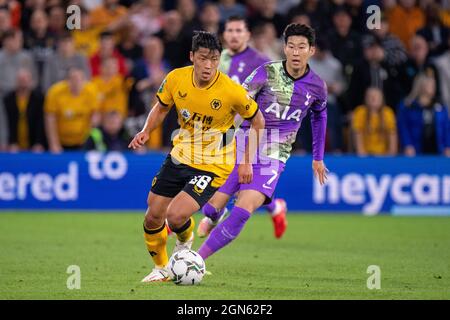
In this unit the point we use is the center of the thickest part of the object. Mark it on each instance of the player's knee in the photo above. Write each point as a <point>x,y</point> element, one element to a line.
<point>152,222</point>
<point>250,202</point>
<point>176,218</point>
<point>154,217</point>
<point>219,200</point>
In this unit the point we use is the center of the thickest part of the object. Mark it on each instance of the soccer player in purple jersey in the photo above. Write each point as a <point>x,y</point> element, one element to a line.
<point>238,61</point>
<point>285,91</point>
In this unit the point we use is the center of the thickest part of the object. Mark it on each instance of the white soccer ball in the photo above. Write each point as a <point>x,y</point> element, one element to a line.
<point>186,267</point>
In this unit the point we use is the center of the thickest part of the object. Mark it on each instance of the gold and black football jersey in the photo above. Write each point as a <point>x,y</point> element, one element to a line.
<point>205,116</point>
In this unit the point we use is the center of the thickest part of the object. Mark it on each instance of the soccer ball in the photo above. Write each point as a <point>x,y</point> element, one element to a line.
<point>186,267</point>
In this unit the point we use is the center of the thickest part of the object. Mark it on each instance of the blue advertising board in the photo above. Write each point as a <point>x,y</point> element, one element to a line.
<point>120,181</point>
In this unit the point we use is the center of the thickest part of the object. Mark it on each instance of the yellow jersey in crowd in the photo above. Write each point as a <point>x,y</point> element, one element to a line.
<point>73,113</point>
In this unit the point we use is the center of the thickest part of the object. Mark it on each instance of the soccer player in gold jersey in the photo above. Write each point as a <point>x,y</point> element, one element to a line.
<point>203,155</point>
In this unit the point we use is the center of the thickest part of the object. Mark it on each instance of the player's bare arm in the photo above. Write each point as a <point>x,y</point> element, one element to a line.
<point>245,169</point>
<point>154,119</point>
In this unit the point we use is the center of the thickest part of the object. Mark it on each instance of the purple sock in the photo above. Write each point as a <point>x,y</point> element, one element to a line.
<point>211,212</point>
<point>225,232</point>
<point>271,206</point>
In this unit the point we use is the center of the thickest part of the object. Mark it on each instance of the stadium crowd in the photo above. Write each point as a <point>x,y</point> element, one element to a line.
<point>91,88</point>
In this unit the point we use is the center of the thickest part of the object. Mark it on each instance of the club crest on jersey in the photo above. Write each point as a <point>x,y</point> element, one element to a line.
<point>241,67</point>
<point>216,104</point>
<point>185,114</point>
<point>308,97</point>
<point>182,96</point>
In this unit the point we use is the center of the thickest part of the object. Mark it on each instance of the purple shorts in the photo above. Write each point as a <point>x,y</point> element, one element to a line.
<point>265,179</point>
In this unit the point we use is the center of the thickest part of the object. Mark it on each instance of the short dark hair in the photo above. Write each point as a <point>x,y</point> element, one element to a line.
<point>296,29</point>
<point>204,39</point>
<point>237,18</point>
<point>106,34</point>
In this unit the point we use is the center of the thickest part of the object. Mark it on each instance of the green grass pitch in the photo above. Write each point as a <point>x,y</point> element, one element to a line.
<point>320,257</point>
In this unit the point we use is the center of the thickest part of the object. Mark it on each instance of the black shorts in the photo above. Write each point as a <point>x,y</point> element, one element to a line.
<point>173,178</point>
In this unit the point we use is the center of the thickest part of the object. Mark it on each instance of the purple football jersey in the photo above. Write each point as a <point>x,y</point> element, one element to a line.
<point>239,66</point>
<point>284,102</point>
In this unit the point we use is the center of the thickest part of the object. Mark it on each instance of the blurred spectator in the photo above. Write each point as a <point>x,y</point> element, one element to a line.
<point>345,43</point>
<point>286,6</point>
<point>27,10</point>
<point>265,40</point>
<point>445,13</point>
<point>418,62</point>
<point>330,70</point>
<point>107,13</point>
<point>147,17</point>
<point>65,57</point>
<point>328,10</point>
<point>300,18</point>
<point>369,72</point>
<point>3,128</point>
<point>374,126</point>
<point>405,19</point>
<point>24,107</point>
<point>252,7</point>
<point>129,46</point>
<point>356,9</point>
<point>442,64</point>
<point>267,13</point>
<point>107,50</point>
<point>176,43</point>
<point>395,53</point>
<point>14,9</point>
<point>5,22</point>
<point>87,39</point>
<point>229,8</point>
<point>39,40</point>
<point>423,122</point>
<point>71,110</point>
<point>210,18</point>
<point>111,136</point>
<point>388,5</point>
<point>57,20</point>
<point>13,57</point>
<point>314,9</point>
<point>434,32</point>
<point>148,74</point>
<point>188,11</point>
<point>112,88</point>
<point>91,4</point>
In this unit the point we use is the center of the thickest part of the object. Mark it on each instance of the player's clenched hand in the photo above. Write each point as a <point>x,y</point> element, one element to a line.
<point>320,171</point>
<point>245,172</point>
<point>139,140</point>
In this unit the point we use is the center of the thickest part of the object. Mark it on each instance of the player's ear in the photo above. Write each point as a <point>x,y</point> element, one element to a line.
<point>312,50</point>
<point>191,56</point>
